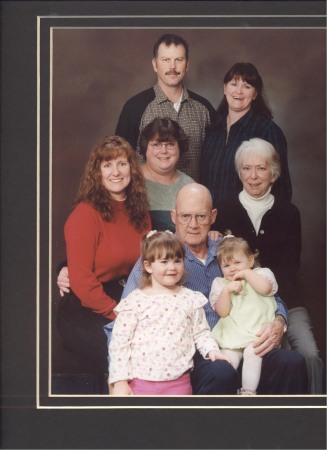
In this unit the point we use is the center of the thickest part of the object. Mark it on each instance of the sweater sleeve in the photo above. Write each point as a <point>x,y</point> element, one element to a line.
<point>286,271</point>
<point>128,125</point>
<point>82,235</point>
<point>129,121</point>
<point>283,186</point>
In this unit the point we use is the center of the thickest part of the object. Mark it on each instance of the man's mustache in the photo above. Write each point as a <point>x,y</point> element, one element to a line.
<point>172,72</point>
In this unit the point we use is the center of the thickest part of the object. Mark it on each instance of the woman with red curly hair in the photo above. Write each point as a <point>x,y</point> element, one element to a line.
<point>103,235</point>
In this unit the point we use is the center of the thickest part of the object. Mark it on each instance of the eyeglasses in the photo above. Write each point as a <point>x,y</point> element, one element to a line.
<point>202,219</point>
<point>159,145</point>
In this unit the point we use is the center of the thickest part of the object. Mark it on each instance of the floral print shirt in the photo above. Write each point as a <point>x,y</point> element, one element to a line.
<point>155,336</point>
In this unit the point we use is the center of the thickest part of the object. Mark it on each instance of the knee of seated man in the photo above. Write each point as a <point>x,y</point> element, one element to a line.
<point>213,370</point>
<point>215,378</point>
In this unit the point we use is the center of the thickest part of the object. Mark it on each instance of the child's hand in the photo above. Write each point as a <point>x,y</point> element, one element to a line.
<point>235,286</point>
<point>216,355</point>
<point>241,275</point>
<point>121,388</point>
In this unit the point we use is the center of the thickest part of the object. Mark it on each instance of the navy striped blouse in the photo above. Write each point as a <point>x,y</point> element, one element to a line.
<point>217,170</point>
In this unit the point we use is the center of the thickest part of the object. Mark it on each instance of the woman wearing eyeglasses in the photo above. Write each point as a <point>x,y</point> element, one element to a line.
<point>161,143</point>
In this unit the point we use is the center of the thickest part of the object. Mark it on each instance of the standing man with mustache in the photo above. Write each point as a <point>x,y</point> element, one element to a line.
<point>169,98</point>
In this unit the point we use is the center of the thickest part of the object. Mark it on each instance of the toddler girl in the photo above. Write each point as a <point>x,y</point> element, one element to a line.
<point>244,301</point>
<point>159,326</point>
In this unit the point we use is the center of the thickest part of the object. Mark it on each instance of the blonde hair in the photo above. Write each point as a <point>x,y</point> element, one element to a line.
<point>156,245</point>
<point>231,244</point>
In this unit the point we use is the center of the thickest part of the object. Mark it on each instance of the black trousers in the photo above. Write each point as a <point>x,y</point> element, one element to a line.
<point>283,373</point>
<point>82,329</point>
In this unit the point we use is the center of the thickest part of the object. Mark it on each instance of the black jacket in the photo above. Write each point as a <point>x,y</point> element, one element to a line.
<point>278,241</point>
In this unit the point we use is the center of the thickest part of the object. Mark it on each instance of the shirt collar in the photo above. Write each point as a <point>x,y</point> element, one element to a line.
<point>162,97</point>
<point>243,121</point>
<point>212,251</point>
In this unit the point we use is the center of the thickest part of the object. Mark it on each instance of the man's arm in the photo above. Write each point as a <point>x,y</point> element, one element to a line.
<point>133,279</point>
<point>128,125</point>
<point>271,334</point>
<point>281,308</point>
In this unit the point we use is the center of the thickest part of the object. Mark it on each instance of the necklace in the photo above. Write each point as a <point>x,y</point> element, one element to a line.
<point>121,199</point>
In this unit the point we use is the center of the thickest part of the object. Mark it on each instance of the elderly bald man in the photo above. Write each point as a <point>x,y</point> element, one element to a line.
<point>283,371</point>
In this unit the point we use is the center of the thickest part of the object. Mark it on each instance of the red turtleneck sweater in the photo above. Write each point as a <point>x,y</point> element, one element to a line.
<point>100,251</point>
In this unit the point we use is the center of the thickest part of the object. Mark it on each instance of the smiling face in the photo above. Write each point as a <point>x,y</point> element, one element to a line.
<point>116,176</point>
<point>162,157</point>
<point>256,176</point>
<point>170,65</point>
<point>237,262</point>
<point>239,95</point>
<point>165,272</point>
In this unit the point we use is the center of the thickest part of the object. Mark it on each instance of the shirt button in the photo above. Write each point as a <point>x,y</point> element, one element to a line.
<point>262,232</point>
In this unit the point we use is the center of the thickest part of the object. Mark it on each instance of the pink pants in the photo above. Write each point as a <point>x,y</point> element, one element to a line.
<point>181,386</point>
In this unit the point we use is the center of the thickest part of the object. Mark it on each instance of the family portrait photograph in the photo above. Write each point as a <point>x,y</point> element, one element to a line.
<point>164,238</point>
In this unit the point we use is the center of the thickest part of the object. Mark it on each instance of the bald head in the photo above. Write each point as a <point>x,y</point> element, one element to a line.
<point>197,193</point>
<point>193,217</point>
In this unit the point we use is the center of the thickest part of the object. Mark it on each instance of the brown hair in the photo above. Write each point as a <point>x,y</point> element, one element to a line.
<point>168,40</point>
<point>163,129</point>
<point>231,244</point>
<point>160,244</point>
<point>249,73</point>
<point>92,190</point>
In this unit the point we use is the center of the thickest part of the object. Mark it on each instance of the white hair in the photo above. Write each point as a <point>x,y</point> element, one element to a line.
<point>258,148</point>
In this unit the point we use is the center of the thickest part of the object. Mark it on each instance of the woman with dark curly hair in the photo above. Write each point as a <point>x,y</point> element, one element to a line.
<point>103,235</point>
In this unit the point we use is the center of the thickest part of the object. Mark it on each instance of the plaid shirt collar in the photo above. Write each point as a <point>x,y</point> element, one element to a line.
<point>162,97</point>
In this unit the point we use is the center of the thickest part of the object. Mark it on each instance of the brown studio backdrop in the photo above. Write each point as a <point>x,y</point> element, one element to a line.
<point>96,70</point>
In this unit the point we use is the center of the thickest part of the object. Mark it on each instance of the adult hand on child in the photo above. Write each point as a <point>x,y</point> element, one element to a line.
<point>214,235</point>
<point>63,281</point>
<point>269,337</point>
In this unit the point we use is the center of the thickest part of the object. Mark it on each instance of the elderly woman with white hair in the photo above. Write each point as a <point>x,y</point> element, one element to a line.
<point>272,226</point>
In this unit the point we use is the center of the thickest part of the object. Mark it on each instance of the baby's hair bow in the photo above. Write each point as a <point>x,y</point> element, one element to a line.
<point>151,233</point>
<point>228,236</point>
